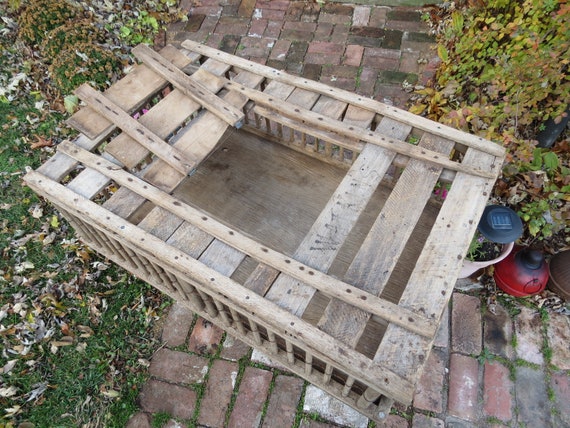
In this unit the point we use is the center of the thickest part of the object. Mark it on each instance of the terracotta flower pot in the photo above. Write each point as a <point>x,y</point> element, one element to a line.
<point>470,267</point>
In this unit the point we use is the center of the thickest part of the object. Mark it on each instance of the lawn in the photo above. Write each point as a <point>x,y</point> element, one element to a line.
<point>76,332</point>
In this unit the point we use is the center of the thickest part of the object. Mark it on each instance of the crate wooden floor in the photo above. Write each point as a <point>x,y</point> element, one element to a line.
<point>302,219</point>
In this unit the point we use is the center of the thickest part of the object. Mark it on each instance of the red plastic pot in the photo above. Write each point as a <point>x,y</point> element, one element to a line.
<point>523,273</point>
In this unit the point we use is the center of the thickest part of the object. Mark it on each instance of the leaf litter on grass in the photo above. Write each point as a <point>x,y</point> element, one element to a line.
<point>76,332</point>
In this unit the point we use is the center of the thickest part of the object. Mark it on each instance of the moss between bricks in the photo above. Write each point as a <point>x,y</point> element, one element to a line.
<point>397,77</point>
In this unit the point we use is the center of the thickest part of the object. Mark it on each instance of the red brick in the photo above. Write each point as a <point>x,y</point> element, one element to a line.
<point>234,349</point>
<point>218,393</point>
<point>361,16</point>
<point>394,421</point>
<point>257,27</point>
<point>273,14</point>
<point>205,337</point>
<point>466,332</point>
<point>353,55</point>
<point>325,48</point>
<point>253,392</point>
<point>207,10</point>
<point>273,29</point>
<point>497,398</point>
<point>139,420</point>
<point>402,25</point>
<point>463,387</point>
<point>316,58</point>
<point>381,59</point>
<point>280,49</point>
<point>261,61</point>
<point>323,32</point>
<point>283,402</point>
<point>273,4</point>
<point>367,82</point>
<point>214,40</point>
<point>378,17</point>
<point>392,94</point>
<point>339,35</point>
<point>177,325</point>
<point>498,331</point>
<point>423,421</point>
<point>339,71</point>
<point>560,384</point>
<point>178,401</point>
<point>232,25</point>
<point>558,333</point>
<point>337,9</point>
<point>178,367</point>
<point>528,328</point>
<point>429,392</point>
<point>255,47</point>
<point>409,62</point>
<point>300,26</point>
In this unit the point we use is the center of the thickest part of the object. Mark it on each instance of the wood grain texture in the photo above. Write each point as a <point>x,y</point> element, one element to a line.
<point>383,247</point>
<point>192,88</point>
<point>397,114</point>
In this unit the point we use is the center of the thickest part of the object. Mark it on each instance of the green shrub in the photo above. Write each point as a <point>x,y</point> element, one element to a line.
<point>509,62</point>
<point>69,35</point>
<point>84,62</point>
<point>41,16</point>
<point>504,72</point>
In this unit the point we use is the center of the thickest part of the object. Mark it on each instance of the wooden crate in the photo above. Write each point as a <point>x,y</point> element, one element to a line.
<point>301,218</point>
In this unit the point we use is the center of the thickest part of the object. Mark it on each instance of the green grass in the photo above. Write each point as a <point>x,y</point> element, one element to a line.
<point>76,330</point>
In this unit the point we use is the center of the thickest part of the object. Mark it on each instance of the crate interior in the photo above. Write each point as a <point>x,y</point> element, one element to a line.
<point>274,194</point>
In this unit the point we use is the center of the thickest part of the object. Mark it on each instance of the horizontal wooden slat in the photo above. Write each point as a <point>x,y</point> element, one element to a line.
<point>322,122</point>
<point>142,135</point>
<point>351,98</point>
<point>189,86</point>
<point>326,124</point>
<point>283,263</point>
<point>298,332</point>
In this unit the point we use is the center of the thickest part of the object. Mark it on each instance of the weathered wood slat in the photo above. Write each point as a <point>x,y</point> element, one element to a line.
<point>164,118</point>
<point>189,86</point>
<point>130,93</point>
<point>144,136</point>
<point>458,218</point>
<point>327,250</point>
<point>322,122</point>
<point>373,264</point>
<point>296,269</point>
<point>395,113</point>
<point>322,244</point>
<point>200,141</point>
<point>298,332</point>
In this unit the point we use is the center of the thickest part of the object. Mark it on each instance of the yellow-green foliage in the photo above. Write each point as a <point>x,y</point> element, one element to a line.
<point>506,70</point>
<point>41,16</point>
<point>69,35</point>
<point>84,62</point>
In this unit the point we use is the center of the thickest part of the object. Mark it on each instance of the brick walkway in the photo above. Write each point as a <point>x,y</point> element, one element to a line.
<point>491,365</point>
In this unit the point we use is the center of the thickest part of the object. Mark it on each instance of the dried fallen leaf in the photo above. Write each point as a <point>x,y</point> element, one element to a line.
<point>8,392</point>
<point>110,393</point>
<point>9,366</point>
<point>12,411</point>
<point>85,331</point>
<point>41,142</point>
<point>37,212</point>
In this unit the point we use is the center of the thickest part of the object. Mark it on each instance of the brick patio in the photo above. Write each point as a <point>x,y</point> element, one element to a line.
<point>478,374</point>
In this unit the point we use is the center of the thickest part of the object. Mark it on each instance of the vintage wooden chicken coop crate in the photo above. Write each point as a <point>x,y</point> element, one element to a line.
<point>301,218</point>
